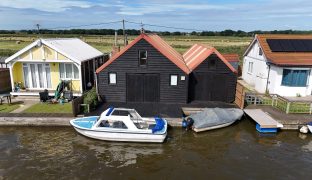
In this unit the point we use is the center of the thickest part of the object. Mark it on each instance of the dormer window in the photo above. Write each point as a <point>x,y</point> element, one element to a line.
<point>142,57</point>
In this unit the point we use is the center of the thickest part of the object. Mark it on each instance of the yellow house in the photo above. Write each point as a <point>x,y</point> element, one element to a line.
<point>46,62</point>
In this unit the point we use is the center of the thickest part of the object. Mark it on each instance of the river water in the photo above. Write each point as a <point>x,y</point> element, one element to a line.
<point>235,152</point>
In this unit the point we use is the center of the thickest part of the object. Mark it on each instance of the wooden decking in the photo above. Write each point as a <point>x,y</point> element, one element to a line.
<point>262,118</point>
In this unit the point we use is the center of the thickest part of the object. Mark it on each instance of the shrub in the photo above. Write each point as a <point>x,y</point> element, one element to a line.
<point>91,98</point>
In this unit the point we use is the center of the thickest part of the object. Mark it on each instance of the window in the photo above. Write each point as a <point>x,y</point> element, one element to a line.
<point>48,75</point>
<point>250,67</point>
<point>211,64</point>
<point>112,78</point>
<point>295,78</point>
<point>26,75</point>
<point>68,71</point>
<point>260,51</point>
<point>37,75</point>
<point>142,57</point>
<point>173,80</point>
<point>121,113</point>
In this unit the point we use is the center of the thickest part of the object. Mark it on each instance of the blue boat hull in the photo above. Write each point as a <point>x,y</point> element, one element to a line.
<point>265,130</point>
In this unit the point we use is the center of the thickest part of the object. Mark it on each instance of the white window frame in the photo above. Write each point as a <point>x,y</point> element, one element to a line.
<point>173,80</point>
<point>250,67</point>
<point>111,78</point>
<point>45,81</point>
<point>72,69</point>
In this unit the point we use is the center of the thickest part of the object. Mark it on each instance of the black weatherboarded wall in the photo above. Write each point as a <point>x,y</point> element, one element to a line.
<point>159,68</point>
<point>212,80</point>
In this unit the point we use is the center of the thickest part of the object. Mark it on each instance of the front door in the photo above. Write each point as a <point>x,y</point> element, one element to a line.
<point>142,87</point>
<point>37,75</point>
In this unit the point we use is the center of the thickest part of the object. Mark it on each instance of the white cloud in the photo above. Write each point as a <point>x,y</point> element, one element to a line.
<point>164,8</point>
<point>45,5</point>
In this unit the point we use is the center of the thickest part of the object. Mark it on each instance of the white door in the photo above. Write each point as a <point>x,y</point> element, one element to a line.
<point>37,76</point>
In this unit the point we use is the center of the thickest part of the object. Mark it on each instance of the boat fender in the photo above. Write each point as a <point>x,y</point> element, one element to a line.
<point>184,123</point>
<point>189,123</point>
<point>304,129</point>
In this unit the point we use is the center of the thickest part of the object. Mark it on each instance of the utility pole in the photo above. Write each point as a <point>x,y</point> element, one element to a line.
<point>142,28</point>
<point>124,32</point>
<point>115,42</point>
<point>38,28</point>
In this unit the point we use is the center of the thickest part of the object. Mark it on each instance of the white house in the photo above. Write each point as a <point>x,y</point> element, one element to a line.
<point>279,64</point>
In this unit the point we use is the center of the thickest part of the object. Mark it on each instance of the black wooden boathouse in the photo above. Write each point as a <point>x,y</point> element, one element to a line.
<point>150,70</point>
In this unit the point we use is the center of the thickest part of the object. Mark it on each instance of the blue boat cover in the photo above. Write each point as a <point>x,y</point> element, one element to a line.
<point>111,108</point>
<point>310,123</point>
<point>160,123</point>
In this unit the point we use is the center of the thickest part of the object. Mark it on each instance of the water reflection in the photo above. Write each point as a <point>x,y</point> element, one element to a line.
<point>307,147</point>
<point>118,154</point>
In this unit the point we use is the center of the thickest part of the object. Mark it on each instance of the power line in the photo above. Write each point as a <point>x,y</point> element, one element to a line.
<point>85,25</point>
<point>123,21</point>
<point>168,27</point>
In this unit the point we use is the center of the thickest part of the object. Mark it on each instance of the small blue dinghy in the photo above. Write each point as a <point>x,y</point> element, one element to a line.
<point>265,130</point>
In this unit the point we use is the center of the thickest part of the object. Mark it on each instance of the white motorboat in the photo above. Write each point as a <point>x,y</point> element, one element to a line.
<point>121,124</point>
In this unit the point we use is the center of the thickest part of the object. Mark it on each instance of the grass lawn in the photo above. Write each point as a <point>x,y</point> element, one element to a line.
<point>6,108</point>
<point>49,108</point>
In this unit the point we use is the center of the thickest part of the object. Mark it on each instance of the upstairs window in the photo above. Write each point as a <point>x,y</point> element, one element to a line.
<point>211,64</point>
<point>260,51</point>
<point>142,57</point>
<point>295,78</point>
<point>250,67</point>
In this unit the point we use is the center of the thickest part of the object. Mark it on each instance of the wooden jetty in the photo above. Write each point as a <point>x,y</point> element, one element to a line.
<point>262,118</point>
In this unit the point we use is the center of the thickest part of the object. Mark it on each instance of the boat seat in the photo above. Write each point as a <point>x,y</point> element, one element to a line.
<point>141,125</point>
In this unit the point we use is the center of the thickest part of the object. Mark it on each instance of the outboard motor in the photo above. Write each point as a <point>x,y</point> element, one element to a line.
<point>189,123</point>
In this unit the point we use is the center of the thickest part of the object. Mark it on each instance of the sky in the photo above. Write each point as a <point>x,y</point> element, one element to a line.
<point>208,15</point>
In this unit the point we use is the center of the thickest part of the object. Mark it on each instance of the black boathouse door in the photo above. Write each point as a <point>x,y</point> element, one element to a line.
<point>143,88</point>
<point>205,86</point>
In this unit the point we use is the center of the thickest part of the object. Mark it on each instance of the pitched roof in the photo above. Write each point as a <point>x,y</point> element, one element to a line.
<point>231,57</point>
<point>159,44</point>
<point>284,58</point>
<point>73,48</point>
<point>186,62</point>
<point>198,53</point>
